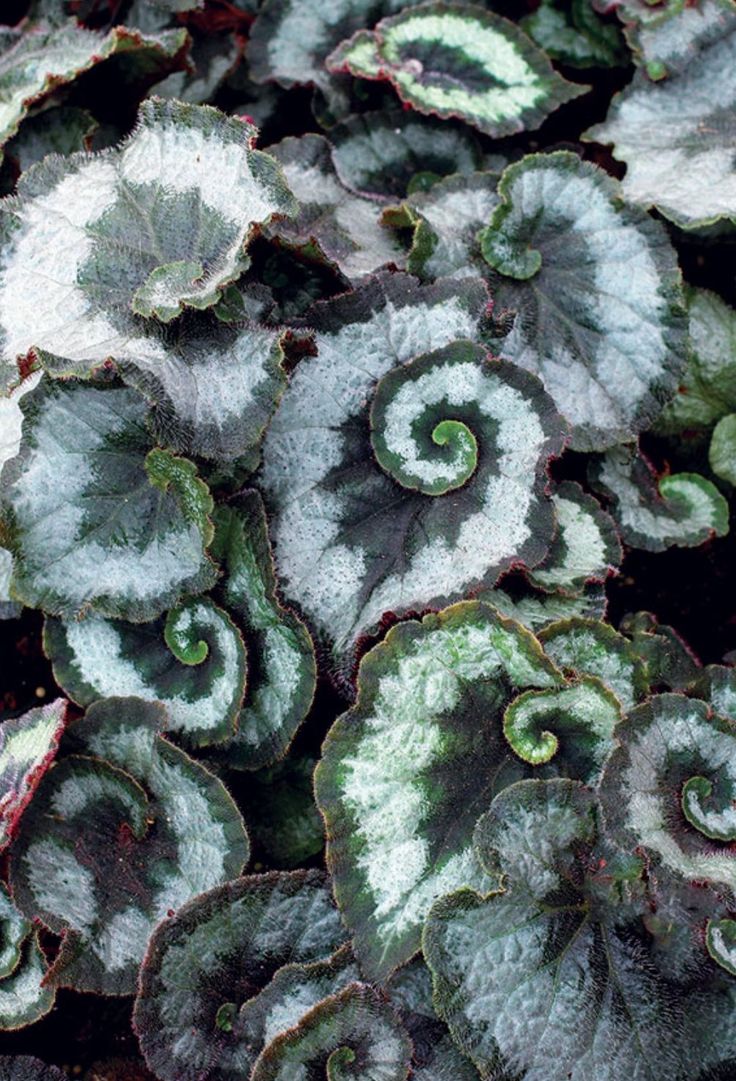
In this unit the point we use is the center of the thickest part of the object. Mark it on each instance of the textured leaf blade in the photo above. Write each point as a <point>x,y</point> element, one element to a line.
<point>586,547</point>
<point>222,956</point>
<point>155,829</point>
<point>193,661</point>
<point>654,513</point>
<point>562,243</point>
<point>352,1034</point>
<point>28,746</point>
<point>181,166</point>
<point>675,136</point>
<point>23,998</point>
<point>454,60</point>
<point>282,675</point>
<point>67,516</point>
<point>394,780</point>
<point>353,541</point>
<point>594,648</point>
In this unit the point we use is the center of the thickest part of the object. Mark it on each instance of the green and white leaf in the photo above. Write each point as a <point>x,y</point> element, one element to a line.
<point>345,227</point>
<point>64,129</point>
<point>717,685</point>
<point>116,837</point>
<point>682,509</point>
<point>37,59</point>
<point>193,660</point>
<point>385,154</point>
<point>666,37</point>
<point>668,661</point>
<point>582,717</point>
<point>353,1035</point>
<point>445,222</point>
<point>586,547</point>
<point>434,1057</point>
<point>23,967</point>
<point>572,32</point>
<point>363,437</point>
<point>593,648</point>
<point>546,979</point>
<point>456,60</point>
<point>290,40</point>
<point>669,788</point>
<point>593,294</point>
<point>87,491</point>
<point>676,137</point>
<point>214,990</point>
<point>707,388</point>
<point>28,746</point>
<point>9,608</point>
<point>157,225</point>
<point>536,610</point>
<point>722,450</point>
<point>393,782</point>
<point>282,669</point>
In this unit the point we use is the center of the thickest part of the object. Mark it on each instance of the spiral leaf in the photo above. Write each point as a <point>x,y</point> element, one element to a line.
<point>193,661</point>
<point>720,940</point>
<point>674,751</point>
<point>116,837</point>
<point>584,716</point>
<point>249,958</point>
<point>351,542</point>
<point>591,647</point>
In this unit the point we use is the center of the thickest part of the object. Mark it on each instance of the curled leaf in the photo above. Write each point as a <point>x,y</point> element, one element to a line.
<point>233,969</point>
<point>456,60</point>
<point>591,647</point>
<point>594,290</point>
<point>352,1035</point>
<point>115,838</point>
<point>193,660</point>
<point>361,439</point>
<point>654,513</point>
<point>24,998</point>
<point>586,547</point>
<point>155,226</point>
<point>406,772</point>
<point>85,491</point>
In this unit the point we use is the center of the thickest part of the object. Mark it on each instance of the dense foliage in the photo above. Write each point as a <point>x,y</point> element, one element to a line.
<point>351,354</point>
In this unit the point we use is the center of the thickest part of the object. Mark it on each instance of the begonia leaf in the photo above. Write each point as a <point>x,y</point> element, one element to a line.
<point>592,288</point>
<point>591,647</point>
<point>406,772</point>
<point>586,547</point>
<point>371,435</point>
<point>668,661</point>
<point>199,1012</point>
<point>27,1068</point>
<point>28,746</point>
<point>23,997</point>
<point>193,660</point>
<point>457,60</point>
<point>572,32</point>
<point>675,136</point>
<point>159,224</point>
<point>654,513</point>
<point>116,837</point>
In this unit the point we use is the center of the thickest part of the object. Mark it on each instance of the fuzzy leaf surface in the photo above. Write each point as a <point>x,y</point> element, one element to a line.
<point>233,969</point>
<point>456,60</point>
<point>282,668</point>
<point>23,998</point>
<point>406,772</point>
<point>86,491</point>
<point>374,425</point>
<point>159,224</point>
<point>652,513</point>
<point>345,226</point>
<point>594,290</point>
<point>591,647</point>
<point>193,660</point>
<point>28,746</point>
<point>353,1035</point>
<point>676,137</point>
<point>117,836</point>
<point>549,979</point>
<point>586,547</point>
